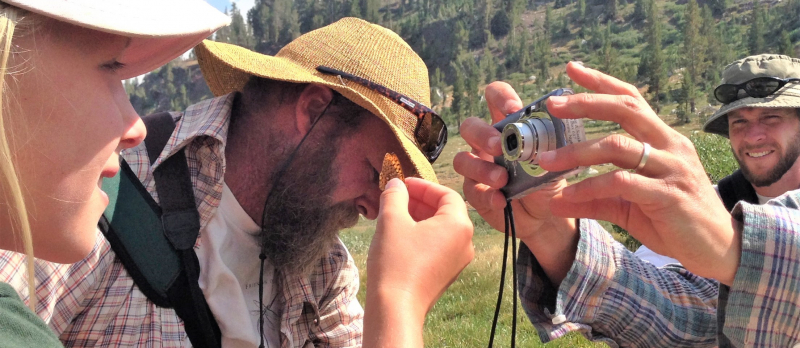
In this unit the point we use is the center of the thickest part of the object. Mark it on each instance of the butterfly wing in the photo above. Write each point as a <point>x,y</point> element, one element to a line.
<point>391,169</point>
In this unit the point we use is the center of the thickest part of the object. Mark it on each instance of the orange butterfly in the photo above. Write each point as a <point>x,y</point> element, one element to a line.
<point>391,169</point>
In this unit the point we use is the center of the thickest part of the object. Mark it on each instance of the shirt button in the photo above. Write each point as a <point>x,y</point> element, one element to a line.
<point>746,245</point>
<point>560,319</point>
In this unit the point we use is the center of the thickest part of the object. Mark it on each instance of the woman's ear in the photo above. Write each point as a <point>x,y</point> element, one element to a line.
<point>310,105</point>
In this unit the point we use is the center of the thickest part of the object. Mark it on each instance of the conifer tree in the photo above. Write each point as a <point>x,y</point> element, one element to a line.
<point>548,22</point>
<point>611,10</point>
<point>785,46</point>
<point>487,65</point>
<point>580,11</point>
<point>685,107</point>
<point>542,51</point>
<point>224,33</point>
<point>694,48</point>
<point>609,54</point>
<point>756,34</point>
<point>370,9</point>
<point>656,59</point>
<point>460,104</point>
<point>354,9</point>
<point>239,34</point>
<point>524,51</point>
<point>639,11</point>
<point>718,7</point>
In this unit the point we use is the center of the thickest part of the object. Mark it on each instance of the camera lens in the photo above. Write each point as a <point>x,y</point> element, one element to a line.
<point>511,142</point>
<point>523,141</point>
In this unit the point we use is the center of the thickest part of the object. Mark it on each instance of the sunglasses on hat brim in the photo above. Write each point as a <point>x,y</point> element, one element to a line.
<point>430,132</point>
<point>759,87</point>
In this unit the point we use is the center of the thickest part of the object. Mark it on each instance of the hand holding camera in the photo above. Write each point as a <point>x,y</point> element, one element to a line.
<point>528,133</point>
<point>552,237</point>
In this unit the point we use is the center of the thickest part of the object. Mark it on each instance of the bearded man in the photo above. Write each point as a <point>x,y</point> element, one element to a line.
<point>286,155</point>
<point>764,134</point>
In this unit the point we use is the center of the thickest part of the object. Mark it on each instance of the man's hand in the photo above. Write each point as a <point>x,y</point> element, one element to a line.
<point>552,239</point>
<point>669,204</point>
<point>422,242</point>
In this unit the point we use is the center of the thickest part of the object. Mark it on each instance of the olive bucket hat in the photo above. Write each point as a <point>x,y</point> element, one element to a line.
<point>781,72</point>
<point>358,59</point>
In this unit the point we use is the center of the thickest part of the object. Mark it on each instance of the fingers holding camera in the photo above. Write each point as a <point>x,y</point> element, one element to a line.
<point>502,100</point>
<point>473,167</point>
<point>482,137</point>
<point>601,83</point>
<point>619,150</point>
<point>633,116</point>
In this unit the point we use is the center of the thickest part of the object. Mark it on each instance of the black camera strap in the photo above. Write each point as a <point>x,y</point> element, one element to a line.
<point>509,222</point>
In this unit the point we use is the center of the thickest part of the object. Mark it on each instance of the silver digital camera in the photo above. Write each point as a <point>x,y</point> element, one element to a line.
<point>527,133</point>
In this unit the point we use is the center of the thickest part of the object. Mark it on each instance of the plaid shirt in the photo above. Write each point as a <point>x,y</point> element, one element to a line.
<point>94,303</point>
<point>610,295</point>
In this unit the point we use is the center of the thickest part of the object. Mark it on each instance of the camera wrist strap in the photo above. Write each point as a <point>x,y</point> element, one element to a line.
<point>511,233</point>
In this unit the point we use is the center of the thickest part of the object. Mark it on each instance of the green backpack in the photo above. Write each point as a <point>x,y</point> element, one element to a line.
<point>156,242</point>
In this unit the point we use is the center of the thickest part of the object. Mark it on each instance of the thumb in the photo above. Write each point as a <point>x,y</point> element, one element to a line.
<point>394,198</point>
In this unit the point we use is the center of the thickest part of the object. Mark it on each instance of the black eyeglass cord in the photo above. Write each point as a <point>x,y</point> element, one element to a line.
<point>263,255</point>
<point>509,227</point>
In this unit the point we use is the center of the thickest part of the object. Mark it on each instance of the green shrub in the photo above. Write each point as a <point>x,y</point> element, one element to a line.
<point>715,154</point>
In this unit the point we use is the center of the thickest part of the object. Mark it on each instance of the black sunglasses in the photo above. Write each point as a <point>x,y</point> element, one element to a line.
<point>759,87</point>
<point>430,132</point>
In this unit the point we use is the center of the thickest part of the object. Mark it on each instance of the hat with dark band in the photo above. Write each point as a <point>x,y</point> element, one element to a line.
<point>743,70</point>
<point>350,45</point>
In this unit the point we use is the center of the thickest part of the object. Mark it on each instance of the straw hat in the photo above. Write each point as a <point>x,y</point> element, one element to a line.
<point>764,65</point>
<point>160,30</point>
<point>350,45</point>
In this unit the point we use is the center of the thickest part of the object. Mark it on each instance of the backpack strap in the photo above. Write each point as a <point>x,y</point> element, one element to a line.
<point>181,223</point>
<point>156,243</point>
<point>734,188</point>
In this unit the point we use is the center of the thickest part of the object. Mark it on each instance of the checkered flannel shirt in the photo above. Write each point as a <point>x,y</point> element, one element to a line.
<point>94,303</point>
<point>610,295</point>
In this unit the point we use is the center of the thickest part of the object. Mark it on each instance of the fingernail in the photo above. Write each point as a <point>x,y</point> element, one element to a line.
<point>558,100</point>
<point>495,174</point>
<point>493,142</point>
<point>548,156</point>
<point>579,63</point>
<point>393,183</point>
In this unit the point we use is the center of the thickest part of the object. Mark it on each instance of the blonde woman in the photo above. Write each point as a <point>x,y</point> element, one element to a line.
<point>65,117</point>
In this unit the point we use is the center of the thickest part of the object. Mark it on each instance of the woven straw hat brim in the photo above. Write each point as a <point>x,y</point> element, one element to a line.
<point>227,69</point>
<point>787,97</point>
<point>159,30</point>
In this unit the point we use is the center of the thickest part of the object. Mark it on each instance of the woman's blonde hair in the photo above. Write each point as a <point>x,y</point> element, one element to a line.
<point>9,183</point>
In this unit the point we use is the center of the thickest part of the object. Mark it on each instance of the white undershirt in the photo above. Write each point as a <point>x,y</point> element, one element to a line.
<point>229,266</point>
<point>763,199</point>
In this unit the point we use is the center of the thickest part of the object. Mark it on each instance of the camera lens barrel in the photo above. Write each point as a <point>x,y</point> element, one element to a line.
<point>523,141</point>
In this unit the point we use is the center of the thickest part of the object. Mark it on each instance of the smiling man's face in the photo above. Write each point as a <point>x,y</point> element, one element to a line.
<point>765,142</point>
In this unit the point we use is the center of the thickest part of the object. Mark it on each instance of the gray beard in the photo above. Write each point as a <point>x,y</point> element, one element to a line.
<point>300,222</point>
<point>776,173</point>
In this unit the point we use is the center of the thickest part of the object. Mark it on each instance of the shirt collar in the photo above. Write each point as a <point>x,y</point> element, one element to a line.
<point>209,118</point>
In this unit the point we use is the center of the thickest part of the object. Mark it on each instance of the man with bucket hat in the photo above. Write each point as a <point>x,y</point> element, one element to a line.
<point>735,284</point>
<point>760,114</point>
<point>286,155</point>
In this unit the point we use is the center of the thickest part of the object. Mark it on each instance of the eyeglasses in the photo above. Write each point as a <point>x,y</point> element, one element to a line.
<point>759,87</point>
<point>430,132</point>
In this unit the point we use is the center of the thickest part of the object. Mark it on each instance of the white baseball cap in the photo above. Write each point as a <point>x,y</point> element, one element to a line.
<point>160,29</point>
